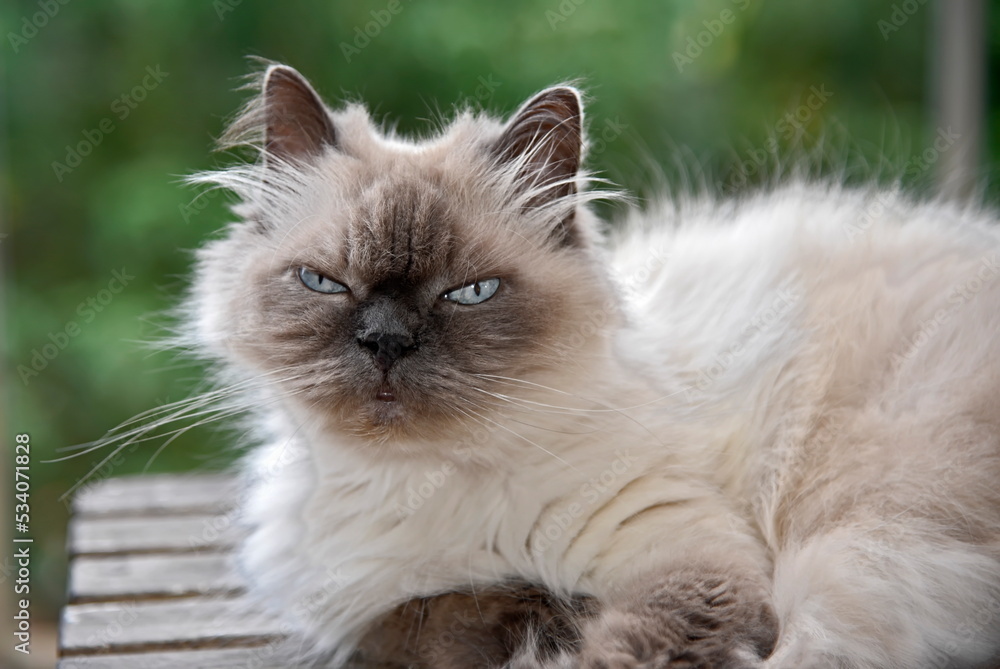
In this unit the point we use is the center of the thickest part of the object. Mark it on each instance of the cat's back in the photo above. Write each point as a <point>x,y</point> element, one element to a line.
<point>870,276</point>
<point>858,328</point>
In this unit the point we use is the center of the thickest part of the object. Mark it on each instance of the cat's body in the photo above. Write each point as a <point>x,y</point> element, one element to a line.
<point>769,423</point>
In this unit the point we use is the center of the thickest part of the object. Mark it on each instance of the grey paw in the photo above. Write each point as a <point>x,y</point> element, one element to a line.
<point>660,660</point>
<point>686,623</point>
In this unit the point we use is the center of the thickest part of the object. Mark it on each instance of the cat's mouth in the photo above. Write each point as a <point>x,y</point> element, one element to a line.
<point>385,393</point>
<point>386,409</point>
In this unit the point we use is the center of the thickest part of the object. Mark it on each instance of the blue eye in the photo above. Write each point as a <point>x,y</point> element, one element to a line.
<point>321,284</point>
<point>474,293</point>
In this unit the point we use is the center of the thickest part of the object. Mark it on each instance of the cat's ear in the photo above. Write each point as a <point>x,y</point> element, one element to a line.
<point>297,124</point>
<point>544,141</point>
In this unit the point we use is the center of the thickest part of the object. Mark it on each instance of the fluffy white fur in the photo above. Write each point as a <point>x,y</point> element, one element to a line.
<point>855,323</point>
<point>802,384</point>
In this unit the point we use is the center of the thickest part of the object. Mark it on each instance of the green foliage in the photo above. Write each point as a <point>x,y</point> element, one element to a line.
<point>123,206</point>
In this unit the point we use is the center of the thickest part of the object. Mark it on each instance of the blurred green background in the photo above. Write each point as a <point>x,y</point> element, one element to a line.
<point>143,88</point>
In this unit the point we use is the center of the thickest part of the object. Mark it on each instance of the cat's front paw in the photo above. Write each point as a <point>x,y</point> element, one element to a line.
<point>626,640</point>
<point>689,621</point>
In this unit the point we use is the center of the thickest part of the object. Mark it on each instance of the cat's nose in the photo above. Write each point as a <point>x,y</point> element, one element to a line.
<point>387,348</point>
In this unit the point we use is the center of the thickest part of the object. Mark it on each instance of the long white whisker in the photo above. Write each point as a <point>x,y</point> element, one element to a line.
<point>179,407</point>
<point>188,411</point>
<point>536,411</point>
<point>522,404</point>
<point>221,413</point>
<point>512,381</point>
<point>522,437</point>
<point>621,411</point>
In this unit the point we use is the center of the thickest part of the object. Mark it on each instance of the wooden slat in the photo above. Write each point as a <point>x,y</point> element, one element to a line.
<point>151,583</point>
<point>154,575</point>
<point>263,657</point>
<point>153,534</point>
<point>277,654</point>
<point>209,622</point>
<point>159,494</point>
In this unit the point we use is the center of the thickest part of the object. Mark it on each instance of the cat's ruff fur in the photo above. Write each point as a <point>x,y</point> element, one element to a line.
<point>798,390</point>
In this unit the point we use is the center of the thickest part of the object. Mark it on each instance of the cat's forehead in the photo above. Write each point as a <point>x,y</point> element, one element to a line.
<point>406,214</point>
<point>400,230</point>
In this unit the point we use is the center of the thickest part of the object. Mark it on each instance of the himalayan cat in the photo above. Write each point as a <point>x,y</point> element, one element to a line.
<point>759,432</point>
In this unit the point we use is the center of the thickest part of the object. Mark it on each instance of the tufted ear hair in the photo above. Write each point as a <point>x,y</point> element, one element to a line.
<point>297,123</point>
<point>543,141</point>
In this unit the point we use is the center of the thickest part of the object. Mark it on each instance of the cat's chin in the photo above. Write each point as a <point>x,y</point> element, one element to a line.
<point>387,411</point>
<point>400,420</point>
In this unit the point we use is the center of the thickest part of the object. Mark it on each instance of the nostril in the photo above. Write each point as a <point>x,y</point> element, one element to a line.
<point>370,342</point>
<point>387,348</point>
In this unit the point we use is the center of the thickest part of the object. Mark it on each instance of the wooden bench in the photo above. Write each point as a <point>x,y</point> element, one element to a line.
<point>150,582</point>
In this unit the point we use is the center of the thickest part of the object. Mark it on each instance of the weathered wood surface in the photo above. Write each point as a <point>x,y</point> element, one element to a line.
<point>171,494</point>
<point>151,581</point>
<point>269,656</point>
<point>195,621</point>
<point>152,575</point>
<point>156,534</point>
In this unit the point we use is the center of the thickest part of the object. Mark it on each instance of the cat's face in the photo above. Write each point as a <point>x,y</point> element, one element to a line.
<point>391,289</point>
